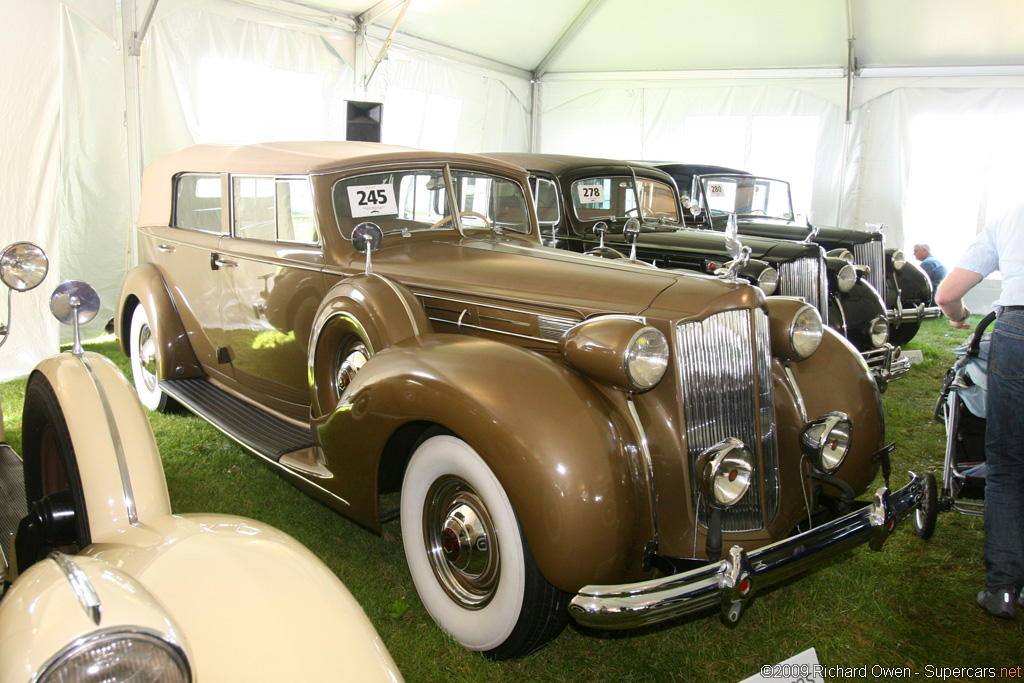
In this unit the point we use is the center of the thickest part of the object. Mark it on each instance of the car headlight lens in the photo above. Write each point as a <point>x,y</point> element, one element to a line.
<point>23,266</point>
<point>826,441</point>
<point>768,280</point>
<point>646,358</point>
<point>898,260</point>
<point>879,331</point>
<point>846,278</point>
<point>806,331</point>
<point>726,470</point>
<point>136,656</point>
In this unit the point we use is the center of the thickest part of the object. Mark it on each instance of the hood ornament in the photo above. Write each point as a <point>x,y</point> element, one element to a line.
<point>740,254</point>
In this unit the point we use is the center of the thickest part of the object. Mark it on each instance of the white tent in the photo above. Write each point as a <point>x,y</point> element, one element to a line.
<point>903,113</point>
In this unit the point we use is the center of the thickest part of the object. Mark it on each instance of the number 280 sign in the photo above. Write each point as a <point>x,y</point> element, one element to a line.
<point>372,200</point>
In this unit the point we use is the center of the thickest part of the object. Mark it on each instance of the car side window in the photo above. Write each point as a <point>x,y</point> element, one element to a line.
<point>545,196</point>
<point>273,210</point>
<point>197,202</point>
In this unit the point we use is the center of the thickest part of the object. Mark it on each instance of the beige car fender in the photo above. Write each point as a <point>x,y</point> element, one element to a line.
<point>118,463</point>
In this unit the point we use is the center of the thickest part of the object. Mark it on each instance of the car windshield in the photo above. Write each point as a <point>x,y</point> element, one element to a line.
<point>417,199</point>
<point>614,197</point>
<point>747,195</point>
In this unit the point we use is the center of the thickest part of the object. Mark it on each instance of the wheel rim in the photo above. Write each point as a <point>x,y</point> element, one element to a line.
<point>349,364</point>
<point>147,358</point>
<point>460,542</point>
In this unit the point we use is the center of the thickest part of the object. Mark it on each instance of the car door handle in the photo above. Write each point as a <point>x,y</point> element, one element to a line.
<point>216,261</point>
<point>166,248</point>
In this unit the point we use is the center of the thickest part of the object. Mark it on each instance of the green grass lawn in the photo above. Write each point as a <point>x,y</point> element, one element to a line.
<point>910,605</point>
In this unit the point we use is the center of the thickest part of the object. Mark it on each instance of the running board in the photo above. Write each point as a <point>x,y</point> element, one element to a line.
<point>12,499</point>
<point>260,432</point>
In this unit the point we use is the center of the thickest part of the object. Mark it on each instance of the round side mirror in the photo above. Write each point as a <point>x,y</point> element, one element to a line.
<point>23,266</point>
<point>600,227</point>
<point>74,299</point>
<point>367,237</point>
<point>631,230</point>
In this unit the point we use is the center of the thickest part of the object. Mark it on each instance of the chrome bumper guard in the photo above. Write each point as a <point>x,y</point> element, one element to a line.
<point>731,582</point>
<point>912,315</point>
<point>886,364</point>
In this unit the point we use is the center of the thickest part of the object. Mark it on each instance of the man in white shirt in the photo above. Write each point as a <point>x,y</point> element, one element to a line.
<point>1000,246</point>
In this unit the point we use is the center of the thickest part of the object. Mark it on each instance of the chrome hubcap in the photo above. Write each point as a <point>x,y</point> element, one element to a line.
<point>351,364</point>
<point>459,536</point>
<point>147,357</point>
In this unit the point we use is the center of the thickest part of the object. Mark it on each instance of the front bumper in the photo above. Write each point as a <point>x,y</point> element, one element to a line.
<point>898,315</point>
<point>731,582</point>
<point>887,364</point>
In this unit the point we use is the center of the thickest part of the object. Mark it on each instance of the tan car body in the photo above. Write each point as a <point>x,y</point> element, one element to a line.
<point>455,328</point>
<point>218,587</point>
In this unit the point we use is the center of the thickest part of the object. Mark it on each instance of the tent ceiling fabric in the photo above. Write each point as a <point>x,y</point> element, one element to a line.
<point>657,35</point>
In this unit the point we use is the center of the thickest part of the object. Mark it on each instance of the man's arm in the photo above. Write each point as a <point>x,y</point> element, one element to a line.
<point>950,295</point>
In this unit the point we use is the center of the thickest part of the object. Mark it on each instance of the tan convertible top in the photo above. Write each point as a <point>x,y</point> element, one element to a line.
<point>279,158</point>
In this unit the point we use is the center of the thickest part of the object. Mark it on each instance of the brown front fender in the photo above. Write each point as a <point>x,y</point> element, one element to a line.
<point>556,445</point>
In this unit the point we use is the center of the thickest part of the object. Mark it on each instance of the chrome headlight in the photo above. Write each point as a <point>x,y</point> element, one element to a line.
<point>898,259</point>
<point>23,266</point>
<point>879,331</point>
<point>846,278</point>
<point>844,254</point>
<point>768,280</point>
<point>826,441</point>
<point>646,358</point>
<point>725,470</point>
<point>806,332</point>
<point>119,655</point>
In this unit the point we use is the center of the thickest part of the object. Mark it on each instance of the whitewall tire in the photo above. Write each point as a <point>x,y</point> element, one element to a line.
<point>142,345</point>
<point>468,557</point>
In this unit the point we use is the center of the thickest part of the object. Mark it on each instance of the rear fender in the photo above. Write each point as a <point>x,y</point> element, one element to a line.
<point>145,286</point>
<point>560,450</point>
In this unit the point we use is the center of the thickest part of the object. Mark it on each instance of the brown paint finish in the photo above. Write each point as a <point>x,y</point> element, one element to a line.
<point>476,333</point>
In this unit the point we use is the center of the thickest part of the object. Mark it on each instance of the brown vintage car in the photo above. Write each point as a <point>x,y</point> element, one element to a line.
<point>570,436</point>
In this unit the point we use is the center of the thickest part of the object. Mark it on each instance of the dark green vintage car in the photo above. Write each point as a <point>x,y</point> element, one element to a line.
<point>763,207</point>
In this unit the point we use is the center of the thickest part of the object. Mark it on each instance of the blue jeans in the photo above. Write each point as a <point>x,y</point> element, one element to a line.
<point>1004,448</point>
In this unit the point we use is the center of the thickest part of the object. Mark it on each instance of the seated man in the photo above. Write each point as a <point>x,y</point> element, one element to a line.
<point>929,264</point>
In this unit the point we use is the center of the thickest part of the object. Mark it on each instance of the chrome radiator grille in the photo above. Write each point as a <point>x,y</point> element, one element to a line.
<point>725,379</point>
<point>872,254</point>
<point>807,279</point>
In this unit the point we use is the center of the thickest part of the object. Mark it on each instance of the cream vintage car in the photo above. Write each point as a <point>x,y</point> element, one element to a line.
<point>571,436</point>
<point>103,584</point>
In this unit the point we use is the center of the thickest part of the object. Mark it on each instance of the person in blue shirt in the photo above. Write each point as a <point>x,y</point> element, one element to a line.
<point>999,246</point>
<point>929,264</point>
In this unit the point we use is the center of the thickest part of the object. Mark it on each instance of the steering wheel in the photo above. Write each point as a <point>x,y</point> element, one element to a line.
<point>474,214</point>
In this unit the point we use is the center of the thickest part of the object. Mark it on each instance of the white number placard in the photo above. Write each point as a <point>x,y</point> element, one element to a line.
<point>590,194</point>
<point>716,189</point>
<point>372,200</point>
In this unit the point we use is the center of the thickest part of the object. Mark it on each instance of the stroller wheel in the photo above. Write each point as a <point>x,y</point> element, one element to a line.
<point>927,507</point>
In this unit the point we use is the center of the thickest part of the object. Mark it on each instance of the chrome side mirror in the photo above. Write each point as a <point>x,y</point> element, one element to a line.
<point>75,303</point>
<point>23,266</point>
<point>631,232</point>
<point>600,228</point>
<point>367,238</point>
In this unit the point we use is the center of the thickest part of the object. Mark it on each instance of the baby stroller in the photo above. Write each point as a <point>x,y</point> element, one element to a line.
<point>961,408</point>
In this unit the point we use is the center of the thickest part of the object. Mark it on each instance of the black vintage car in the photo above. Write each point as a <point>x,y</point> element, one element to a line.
<point>573,195</point>
<point>763,207</point>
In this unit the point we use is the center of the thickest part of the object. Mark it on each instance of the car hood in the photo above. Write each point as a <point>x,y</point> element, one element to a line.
<point>827,236</point>
<point>524,273</point>
<point>712,243</point>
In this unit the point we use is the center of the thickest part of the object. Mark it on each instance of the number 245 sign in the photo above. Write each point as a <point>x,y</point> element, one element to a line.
<point>372,200</point>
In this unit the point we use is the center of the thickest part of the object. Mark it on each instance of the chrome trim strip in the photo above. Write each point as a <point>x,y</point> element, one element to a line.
<point>80,585</point>
<point>648,464</point>
<point>486,304</point>
<point>731,582</point>
<point>492,330</point>
<point>796,392</point>
<point>115,437</point>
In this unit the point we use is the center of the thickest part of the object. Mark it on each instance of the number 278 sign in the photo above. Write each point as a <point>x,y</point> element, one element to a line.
<point>372,200</point>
